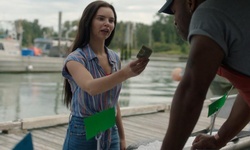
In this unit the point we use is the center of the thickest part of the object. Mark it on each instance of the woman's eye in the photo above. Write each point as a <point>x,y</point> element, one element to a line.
<point>111,21</point>
<point>101,18</point>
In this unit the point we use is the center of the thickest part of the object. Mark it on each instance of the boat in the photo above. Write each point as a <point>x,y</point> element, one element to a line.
<point>9,47</point>
<point>53,47</point>
<point>16,59</point>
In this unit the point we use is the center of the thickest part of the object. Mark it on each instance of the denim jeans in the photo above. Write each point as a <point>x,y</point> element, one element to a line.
<point>76,137</point>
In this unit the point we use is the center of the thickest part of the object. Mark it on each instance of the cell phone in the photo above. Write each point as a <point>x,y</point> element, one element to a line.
<point>144,52</point>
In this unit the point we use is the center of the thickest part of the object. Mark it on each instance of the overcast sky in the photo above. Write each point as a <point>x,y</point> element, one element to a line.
<point>46,11</point>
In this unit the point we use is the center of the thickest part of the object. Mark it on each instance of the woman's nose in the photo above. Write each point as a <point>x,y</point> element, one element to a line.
<point>106,22</point>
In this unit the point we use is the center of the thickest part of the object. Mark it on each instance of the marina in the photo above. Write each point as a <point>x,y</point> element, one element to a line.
<point>32,86</point>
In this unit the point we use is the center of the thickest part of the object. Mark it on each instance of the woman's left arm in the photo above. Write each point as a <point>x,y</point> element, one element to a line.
<point>120,128</point>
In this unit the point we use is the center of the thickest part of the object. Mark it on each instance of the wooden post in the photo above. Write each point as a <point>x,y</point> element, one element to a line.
<point>60,31</point>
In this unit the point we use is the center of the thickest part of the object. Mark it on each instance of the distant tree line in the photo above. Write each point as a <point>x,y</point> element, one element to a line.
<point>161,35</point>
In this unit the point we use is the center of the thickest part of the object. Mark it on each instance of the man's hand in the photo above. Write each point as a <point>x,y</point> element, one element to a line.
<point>204,141</point>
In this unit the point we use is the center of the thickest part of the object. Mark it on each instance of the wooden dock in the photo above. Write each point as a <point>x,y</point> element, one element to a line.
<point>142,124</point>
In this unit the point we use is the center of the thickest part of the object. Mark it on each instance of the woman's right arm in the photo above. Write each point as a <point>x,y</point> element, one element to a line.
<point>85,80</point>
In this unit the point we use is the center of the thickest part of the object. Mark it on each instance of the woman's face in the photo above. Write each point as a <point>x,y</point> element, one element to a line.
<point>103,24</point>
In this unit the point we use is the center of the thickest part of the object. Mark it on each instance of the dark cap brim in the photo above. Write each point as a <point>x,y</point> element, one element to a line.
<point>166,8</point>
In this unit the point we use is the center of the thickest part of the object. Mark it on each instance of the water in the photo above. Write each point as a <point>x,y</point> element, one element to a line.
<point>40,94</point>
<point>153,86</point>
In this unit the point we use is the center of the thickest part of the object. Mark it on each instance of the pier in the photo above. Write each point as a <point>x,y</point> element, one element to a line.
<point>141,124</point>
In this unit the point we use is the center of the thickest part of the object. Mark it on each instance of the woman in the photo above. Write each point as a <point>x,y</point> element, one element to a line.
<point>93,78</point>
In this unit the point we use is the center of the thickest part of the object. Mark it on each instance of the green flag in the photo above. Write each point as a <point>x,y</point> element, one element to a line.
<point>99,122</point>
<point>215,106</point>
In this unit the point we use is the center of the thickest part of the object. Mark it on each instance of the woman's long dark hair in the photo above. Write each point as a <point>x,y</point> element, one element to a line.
<point>83,36</point>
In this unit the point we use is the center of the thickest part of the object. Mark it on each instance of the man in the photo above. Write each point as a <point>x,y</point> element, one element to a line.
<point>219,35</point>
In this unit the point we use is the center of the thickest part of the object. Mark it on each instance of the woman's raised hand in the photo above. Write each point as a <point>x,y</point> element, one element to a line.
<point>136,67</point>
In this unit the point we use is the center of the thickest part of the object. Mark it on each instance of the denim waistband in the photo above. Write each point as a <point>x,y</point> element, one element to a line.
<point>76,118</point>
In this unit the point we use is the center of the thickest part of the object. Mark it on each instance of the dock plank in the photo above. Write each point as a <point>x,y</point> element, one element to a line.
<point>50,140</point>
<point>8,142</point>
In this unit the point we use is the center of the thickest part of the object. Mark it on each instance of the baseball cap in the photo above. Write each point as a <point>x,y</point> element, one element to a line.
<point>166,8</point>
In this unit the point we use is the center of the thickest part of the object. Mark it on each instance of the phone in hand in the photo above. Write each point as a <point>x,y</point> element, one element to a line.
<point>144,52</point>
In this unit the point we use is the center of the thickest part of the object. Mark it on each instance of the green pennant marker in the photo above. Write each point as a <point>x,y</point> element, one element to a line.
<point>215,106</point>
<point>99,122</point>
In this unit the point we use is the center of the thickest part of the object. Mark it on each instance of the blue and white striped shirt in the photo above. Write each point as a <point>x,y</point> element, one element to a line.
<point>83,104</point>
